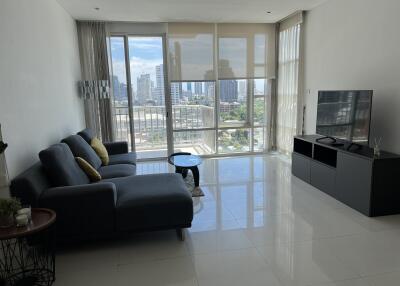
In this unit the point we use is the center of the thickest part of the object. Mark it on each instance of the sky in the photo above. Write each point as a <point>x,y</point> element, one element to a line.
<point>145,54</point>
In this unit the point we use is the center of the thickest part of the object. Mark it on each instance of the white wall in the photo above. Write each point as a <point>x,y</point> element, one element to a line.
<point>355,44</point>
<point>39,70</point>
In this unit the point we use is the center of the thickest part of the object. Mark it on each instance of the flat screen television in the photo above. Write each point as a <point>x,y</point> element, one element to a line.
<point>345,115</point>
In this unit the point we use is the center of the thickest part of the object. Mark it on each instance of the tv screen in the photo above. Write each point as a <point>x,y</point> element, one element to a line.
<point>345,115</point>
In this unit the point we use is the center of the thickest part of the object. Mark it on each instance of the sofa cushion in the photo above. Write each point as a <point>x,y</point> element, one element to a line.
<point>91,172</point>
<point>126,158</point>
<point>152,201</point>
<point>87,134</point>
<point>100,150</point>
<point>116,171</point>
<point>60,166</point>
<point>80,148</point>
<point>29,185</point>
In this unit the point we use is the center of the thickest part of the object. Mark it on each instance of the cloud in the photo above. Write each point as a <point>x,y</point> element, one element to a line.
<point>144,46</point>
<point>118,70</point>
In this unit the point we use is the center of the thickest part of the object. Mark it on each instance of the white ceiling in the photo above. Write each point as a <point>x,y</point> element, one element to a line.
<point>216,11</point>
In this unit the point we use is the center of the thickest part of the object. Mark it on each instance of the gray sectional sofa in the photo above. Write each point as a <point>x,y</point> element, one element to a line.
<point>121,202</point>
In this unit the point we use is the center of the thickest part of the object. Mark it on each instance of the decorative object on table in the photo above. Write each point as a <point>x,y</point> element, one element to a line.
<point>28,253</point>
<point>21,220</point>
<point>377,146</point>
<point>8,208</point>
<point>183,162</point>
<point>23,216</point>
<point>26,210</point>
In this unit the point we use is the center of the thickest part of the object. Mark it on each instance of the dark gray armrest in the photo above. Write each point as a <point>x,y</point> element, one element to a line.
<point>83,210</point>
<point>114,148</point>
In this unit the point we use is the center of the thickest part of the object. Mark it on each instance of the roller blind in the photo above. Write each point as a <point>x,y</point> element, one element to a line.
<point>191,51</point>
<point>246,51</point>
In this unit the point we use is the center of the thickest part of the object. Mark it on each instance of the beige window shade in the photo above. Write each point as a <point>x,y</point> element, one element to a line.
<point>246,51</point>
<point>191,51</point>
<point>291,21</point>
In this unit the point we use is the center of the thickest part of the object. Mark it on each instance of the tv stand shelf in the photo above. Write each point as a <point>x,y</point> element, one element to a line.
<point>352,175</point>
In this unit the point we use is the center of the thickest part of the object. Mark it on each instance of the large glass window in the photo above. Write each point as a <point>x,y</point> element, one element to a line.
<point>234,140</point>
<point>218,89</point>
<point>195,142</point>
<point>193,105</point>
<point>139,101</point>
<point>192,87</point>
<point>233,102</point>
<point>120,90</point>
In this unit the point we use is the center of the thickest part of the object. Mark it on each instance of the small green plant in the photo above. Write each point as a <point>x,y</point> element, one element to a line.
<point>9,206</point>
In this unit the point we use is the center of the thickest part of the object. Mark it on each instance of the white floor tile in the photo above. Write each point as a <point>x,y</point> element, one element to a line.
<point>89,277</point>
<point>91,256</point>
<point>150,247</point>
<point>370,253</point>
<point>217,240</point>
<point>306,263</point>
<point>256,225</point>
<point>234,268</point>
<point>386,279</point>
<point>351,282</point>
<point>167,272</point>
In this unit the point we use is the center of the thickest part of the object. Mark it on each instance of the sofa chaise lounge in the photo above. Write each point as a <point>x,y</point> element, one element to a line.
<point>121,202</point>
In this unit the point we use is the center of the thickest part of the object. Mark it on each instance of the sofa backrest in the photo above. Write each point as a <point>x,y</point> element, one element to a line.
<point>29,185</point>
<point>87,134</point>
<point>61,167</point>
<point>80,148</point>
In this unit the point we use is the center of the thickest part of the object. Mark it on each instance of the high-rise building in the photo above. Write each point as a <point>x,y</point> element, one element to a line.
<point>119,90</point>
<point>242,92</point>
<point>209,89</point>
<point>176,92</point>
<point>189,86</point>
<point>159,93</point>
<point>198,88</point>
<point>228,91</point>
<point>143,88</point>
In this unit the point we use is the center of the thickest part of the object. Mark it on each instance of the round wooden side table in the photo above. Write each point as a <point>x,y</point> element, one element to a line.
<point>27,254</point>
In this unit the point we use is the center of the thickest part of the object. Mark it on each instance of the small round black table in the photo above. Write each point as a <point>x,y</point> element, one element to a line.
<point>28,252</point>
<point>184,162</point>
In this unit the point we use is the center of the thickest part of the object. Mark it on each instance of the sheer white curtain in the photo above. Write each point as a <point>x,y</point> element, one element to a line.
<point>95,66</point>
<point>288,91</point>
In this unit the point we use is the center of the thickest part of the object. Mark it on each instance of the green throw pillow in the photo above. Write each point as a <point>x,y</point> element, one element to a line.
<point>100,150</point>
<point>91,172</point>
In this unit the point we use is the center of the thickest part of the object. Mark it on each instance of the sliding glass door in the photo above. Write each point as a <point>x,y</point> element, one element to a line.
<point>139,94</point>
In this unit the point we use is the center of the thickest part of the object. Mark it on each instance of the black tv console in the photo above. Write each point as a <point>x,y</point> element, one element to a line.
<point>354,176</point>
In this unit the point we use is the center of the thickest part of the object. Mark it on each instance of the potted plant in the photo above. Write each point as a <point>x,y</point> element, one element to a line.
<point>8,207</point>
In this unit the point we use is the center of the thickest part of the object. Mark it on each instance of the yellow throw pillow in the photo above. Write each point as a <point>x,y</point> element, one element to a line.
<point>100,150</point>
<point>91,172</point>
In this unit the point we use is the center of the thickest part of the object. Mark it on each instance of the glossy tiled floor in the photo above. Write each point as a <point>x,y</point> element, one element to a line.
<point>257,225</point>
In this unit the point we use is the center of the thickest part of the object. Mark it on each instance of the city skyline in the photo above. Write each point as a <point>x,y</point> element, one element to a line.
<point>146,55</point>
